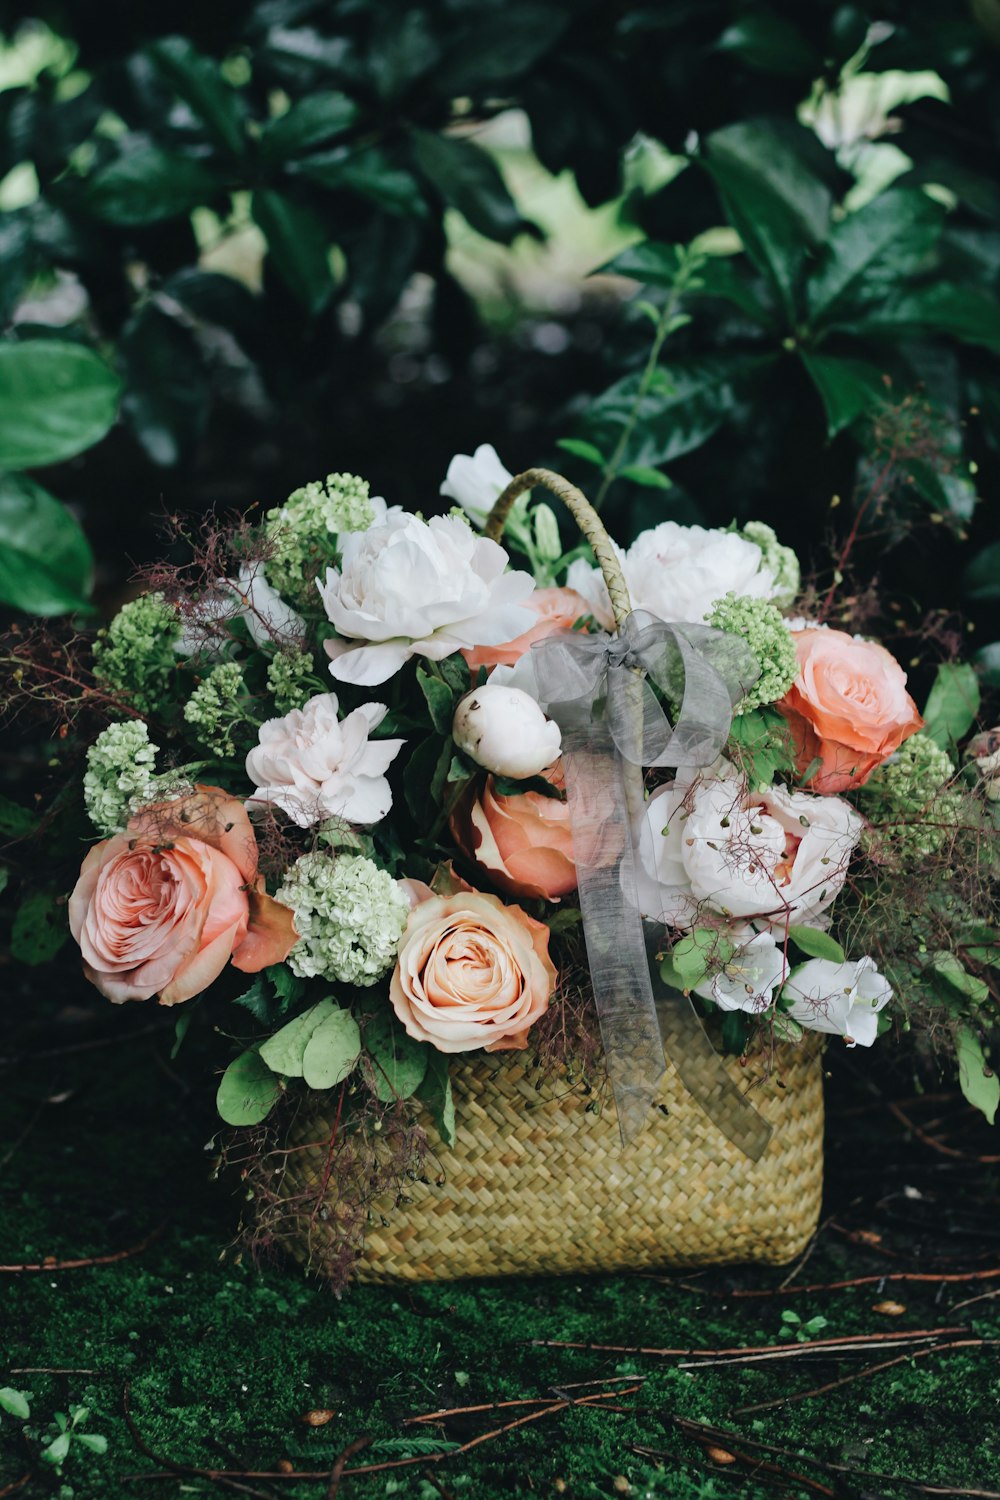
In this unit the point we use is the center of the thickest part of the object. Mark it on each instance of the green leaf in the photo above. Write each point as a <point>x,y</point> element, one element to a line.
<point>650,479</point>
<point>816,944</point>
<point>776,204</point>
<point>650,262</point>
<point>426,768</point>
<point>981,579</point>
<point>850,388</point>
<point>15,821</point>
<point>440,700</point>
<point>765,745</point>
<point>313,119</point>
<point>869,252</point>
<point>987,660</point>
<point>166,385</point>
<point>14,1403</point>
<point>694,955</point>
<point>39,930</point>
<point>582,449</point>
<point>956,978</point>
<point>56,399</point>
<point>397,1064</point>
<point>284,1052</point>
<point>947,491</point>
<point>469,180</point>
<point>146,185</point>
<point>435,1092</point>
<point>332,1050</point>
<point>257,999</point>
<point>978,1082</point>
<point>965,312</point>
<point>768,43</point>
<point>952,704</point>
<point>46,564</point>
<point>181,1028</point>
<point>370,172</point>
<point>197,80</point>
<point>95,1441</point>
<point>496,46</point>
<point>57,1449</point>
<point>288,987</point>
<point>297,244</point>
<point>248,1091</point>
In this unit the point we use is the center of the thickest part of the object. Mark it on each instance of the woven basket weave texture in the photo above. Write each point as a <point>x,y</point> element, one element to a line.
<point>535,1184</point>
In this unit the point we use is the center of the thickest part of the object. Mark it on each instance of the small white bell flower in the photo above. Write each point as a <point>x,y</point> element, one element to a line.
<point>503,730</point>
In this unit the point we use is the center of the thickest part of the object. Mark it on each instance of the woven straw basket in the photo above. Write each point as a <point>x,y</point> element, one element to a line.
<point>536,1183</point>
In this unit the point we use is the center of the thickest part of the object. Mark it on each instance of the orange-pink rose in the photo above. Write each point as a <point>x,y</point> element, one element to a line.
<point>161,908</point>
<point>848,708</point>
<point>472,973</point>
<point>557,609</point>
<point>524,842</point>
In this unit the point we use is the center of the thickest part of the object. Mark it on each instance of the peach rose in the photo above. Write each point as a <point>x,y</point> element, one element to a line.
<point>161,908</point>
<point>471,973</point>
<point>524,842</point>
<point>557,609</point>
<point>848,708</point>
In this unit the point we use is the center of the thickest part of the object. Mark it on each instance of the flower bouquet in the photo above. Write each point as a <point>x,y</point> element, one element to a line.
<point>544,871</point>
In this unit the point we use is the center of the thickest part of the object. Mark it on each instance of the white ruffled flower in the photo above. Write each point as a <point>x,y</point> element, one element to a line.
<point>678,572</point>
<point>476,482</point>
<point>418,588</point>
<point>503,730</point>
<point>249,597</point>
<point>748,981</point>
<point>843,999</point>
<point>121,770</point>
<point>315,766</point>
<point>775,856</point>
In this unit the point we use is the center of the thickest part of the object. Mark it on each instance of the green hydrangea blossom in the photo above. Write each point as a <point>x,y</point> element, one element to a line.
<point>303,532</point>
<point>214,708</point>
<point>350,916</point>
<point>119,775</point>
<point>290,680</point>
<point>781,560</point>
<point>769,638</point>
<point>135,655</point>
<point>910,800</point>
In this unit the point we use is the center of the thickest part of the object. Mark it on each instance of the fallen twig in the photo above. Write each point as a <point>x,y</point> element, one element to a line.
<point>9,1489</point>
<point>337,1472</point>
<point>846,1343</point>
<point>92,1260</point>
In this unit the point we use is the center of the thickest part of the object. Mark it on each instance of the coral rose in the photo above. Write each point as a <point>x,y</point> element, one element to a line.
<point>524,842</point>
<point>848,708</point>
<point>472,973</point>
<point>161,908</point>
<point>557,609</point>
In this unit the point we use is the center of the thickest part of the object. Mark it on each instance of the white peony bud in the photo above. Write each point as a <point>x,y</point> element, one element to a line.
<point>503,730</point>
<point>547,539</point>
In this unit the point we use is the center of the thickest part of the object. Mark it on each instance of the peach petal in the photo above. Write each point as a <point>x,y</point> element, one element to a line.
<point>201,969</point>
<point>270,937</point>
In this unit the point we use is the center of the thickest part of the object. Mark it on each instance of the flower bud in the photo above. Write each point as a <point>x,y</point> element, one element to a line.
<point>547,539</point>
<point>504,730</point>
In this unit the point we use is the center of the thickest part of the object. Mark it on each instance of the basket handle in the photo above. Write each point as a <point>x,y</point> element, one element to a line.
<point>584,515</point>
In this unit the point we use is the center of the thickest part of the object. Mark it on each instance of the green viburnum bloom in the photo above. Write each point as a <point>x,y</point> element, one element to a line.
<point>350,916</point>
<point>135,655</point>
<point>910,800</point>
<point>119,775</point>
<point>779,559</point>
<point>213,709</point>
<point>290,680</point>
<point>769,638</point>
<point>303,532</point>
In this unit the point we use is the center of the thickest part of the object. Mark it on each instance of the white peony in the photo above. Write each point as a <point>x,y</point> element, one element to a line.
<point>476,482</point>
<point>843,999</point>
<point>748,981</point>
<point>503,730</point>
<point>418,588</point>
<point>775,856</point>
<point>678,572</point>
<point>315,766</point>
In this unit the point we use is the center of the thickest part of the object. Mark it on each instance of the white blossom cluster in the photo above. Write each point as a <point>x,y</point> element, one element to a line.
<point>349,914</point>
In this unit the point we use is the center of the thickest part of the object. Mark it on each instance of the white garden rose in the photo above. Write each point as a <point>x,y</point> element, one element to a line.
<point>749,979</point>
<point>843,999</point>
<point>476,482</point>
<point>315,766</point>
<point>503,730</point>
<point>418,588</point>
<point>678,572</point>
<point>774,856</point>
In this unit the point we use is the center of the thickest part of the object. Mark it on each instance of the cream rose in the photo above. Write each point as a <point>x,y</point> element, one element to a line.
<point>472,973</point>
<point>775,856</point>
<point>314,766</point>
<point>164,906</point>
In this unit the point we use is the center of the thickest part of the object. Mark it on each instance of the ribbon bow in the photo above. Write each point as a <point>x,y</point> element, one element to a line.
<point>599,690</point>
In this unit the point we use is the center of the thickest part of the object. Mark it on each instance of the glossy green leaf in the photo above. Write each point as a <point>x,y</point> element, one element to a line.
<point>965,313</point>
<point>56,1451</point>
<point>579,448</point>
<point>285,1051</point>
<point>248,1091</point>
<point>46,565</point>
<point>440,700</point>
<point>332,1050</point>
<point>397,1064</point>
<point>981,579</point>
<point>870,251</point>
<point>16,822</point>
<point>952,703</point>
<point>469,180</point>
<point>40,929</point>
<point>56,399</point>
<point>650,479</point>
<point>309,122</point>
<point>953,974</point>
<point>817,944</point>
<point>849,388</point>
<point>146,185</point>
<point>978,1081</point>
<point>435,1092</point>
<point>166,397</point>
<point>497,46</point>
<point>650,262</point>
<point>947,490</point>
<point>371,172</point>
<point>298,247</point>
<point>14,1403</point>
<point>197,80</point>
<point>769,43</point>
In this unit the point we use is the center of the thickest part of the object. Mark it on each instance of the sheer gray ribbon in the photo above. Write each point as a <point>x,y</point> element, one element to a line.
<point>598,689</point>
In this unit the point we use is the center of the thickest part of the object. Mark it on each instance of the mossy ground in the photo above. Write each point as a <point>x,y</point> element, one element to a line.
<point>222,1360</point>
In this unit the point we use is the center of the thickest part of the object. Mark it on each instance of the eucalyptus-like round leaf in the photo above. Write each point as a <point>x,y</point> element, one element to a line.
<point>332,1050</point>
<point>248,1091</point>
<point>398,1063</point>
<point>285,1051</point>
